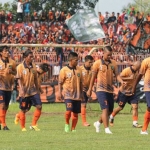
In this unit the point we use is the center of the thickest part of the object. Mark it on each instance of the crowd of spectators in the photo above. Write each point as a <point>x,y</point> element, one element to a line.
<point>44,28</point>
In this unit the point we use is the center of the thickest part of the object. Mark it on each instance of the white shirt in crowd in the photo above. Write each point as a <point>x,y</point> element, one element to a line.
<point>19,7</point>
<point>56,70</point>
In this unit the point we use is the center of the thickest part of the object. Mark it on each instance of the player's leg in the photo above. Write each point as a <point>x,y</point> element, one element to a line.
<point>36,101</point>
<point>121,100</point>
<point>24,104</point>
<point>134,104</point>
<point>76,108</point>
<point>5,97</point>
<point>83,110</point>
<point>146,115</point>
<point>69,108</point>
<point>103,100</point>
<point>7,101</point>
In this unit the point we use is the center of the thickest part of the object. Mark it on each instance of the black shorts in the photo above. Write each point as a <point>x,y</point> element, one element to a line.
<point>123,99</point>
<point>27,102</point>
<point>106,100</point>
<point>73,105</point>
<point>85,98</point>
<point>147,95</point>
<point>5,97</point>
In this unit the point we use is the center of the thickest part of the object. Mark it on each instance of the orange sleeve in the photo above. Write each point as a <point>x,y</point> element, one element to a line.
<point>143,67</point>
<point>95,67</point>
<point>19,71</point>
<point>116,68</point>
<point>124,73</point>
<point>61,76</point>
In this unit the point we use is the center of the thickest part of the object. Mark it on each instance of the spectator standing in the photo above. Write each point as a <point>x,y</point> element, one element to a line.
<point>26,8</point>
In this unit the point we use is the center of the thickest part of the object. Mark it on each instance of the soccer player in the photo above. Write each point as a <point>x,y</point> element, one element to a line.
<point>70,78</point>
<point>125,95</point>
<point>41,69</point>
<point>28,90</point>
<point>7,72</point>
<point>86,74</point>
<point>104,69</point>
<point>145,71</point>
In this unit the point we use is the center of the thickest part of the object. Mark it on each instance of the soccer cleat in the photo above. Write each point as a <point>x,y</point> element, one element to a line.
<point>73,130</point>
<point>137,125</point>
<point>23,129</point>
<point>111,121</point>
<point>144,132</point>
<point>16,121</point>
<point>5,128</point>
<point>67,128</point>
<point>31,126</point>
<point>97,127</point>
<point>0,127</point>
<point>35,128</point>
<point>107,131</point>
<point>86,124</point>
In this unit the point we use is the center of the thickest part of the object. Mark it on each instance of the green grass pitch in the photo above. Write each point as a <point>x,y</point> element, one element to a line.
<point>53,137</point>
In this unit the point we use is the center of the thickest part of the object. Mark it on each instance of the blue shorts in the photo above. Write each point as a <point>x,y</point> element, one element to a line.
<point>106,100</point>
<point>123,99</point>
<point>85,98</point>
<point>73,105</point>
<point>147,95</point>
<point>27,102</point>
<point>5,97</point>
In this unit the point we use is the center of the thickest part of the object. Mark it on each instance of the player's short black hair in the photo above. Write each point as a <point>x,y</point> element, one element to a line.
<point>3,47</point>
<point>108,48</point>
<point>26,53</point>
<point>88,57</point>
<point>72,55</point>
<point>44,67</point>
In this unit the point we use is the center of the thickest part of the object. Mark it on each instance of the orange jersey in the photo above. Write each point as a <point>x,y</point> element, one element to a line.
<point>128,73</point>
<point>27,78</point>
<point>71,81</point>
<point>104,75</point>
<point>6,79</point>
<point>86,75</point>
<point>145,70</point>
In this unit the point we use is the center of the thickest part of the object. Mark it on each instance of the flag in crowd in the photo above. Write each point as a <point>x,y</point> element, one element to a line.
<point>85,26</point>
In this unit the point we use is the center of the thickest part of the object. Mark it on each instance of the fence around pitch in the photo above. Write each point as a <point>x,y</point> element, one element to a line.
<point>52,59</point>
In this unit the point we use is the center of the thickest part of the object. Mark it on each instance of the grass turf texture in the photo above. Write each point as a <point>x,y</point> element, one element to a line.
<point>53,137</point>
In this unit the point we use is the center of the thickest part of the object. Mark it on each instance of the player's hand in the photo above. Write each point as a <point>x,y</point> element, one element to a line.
<point>124,83</point>
<point>59,97</point>
<point>133,90</point>
<point>8,71</point>
<point>21,93</point>
<point>41,91</point>
<point>88,93</point>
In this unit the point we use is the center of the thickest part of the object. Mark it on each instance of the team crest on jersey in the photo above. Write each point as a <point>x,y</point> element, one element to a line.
<point>112,67</point>
<point>69,75</point>
<point>33,71</point>
<point>0,67</point>
<point>83,73</point>
<point>24,72</point>
<point>78,74</point>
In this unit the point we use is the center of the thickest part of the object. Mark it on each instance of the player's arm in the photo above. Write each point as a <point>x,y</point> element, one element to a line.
<point>60,83</point>
<point>36,82</point>
<point>141,73</point>
<point>14,71</point>
<point>94,75</point>
<point>19,77</point>
<point>119,79</point>
<point>125,75</point>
